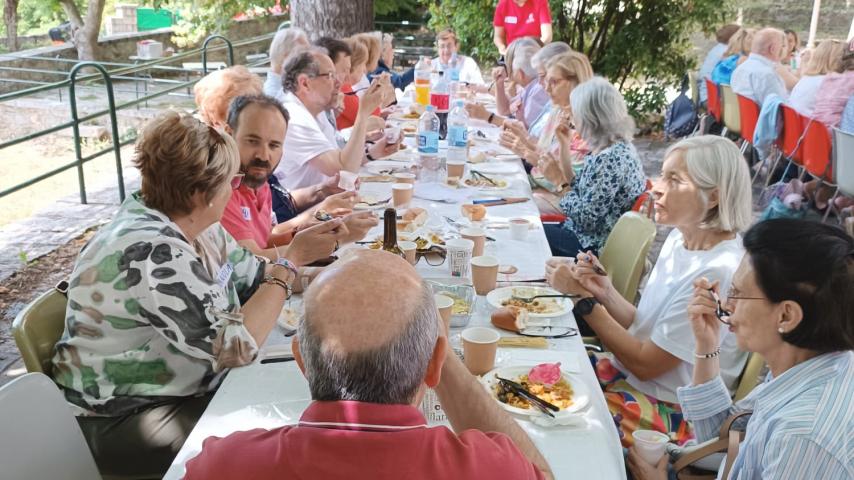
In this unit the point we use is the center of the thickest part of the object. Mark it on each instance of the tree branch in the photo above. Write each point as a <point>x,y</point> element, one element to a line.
<point>72,12</point>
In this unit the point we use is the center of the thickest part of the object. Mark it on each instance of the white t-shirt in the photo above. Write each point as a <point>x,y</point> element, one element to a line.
<point>469,71</point>
<point>305,140</point>
<point>662,314</point>
<point>802,98</point>
<point>273,86</point>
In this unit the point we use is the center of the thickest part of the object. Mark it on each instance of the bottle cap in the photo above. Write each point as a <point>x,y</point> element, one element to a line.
<point>430,108</point>
<point>459,102</point>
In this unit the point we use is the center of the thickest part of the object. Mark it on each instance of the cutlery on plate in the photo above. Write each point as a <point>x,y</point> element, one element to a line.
<point>520,390</point>
<point>534,297</point>
<point>478,174</point>
<point>374,204</point>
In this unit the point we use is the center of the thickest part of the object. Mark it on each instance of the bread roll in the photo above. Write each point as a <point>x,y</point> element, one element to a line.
<point>513,319</point>
<point>474,212</point>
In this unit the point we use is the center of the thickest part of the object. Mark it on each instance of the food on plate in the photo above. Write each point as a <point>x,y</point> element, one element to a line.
<point>409,129</point>
<point>421,242</point>
<point>453,182</point>
<point>539,305</point>
<point>478,181</point>
<point>513,319</point>
<point>435,238</point>
<point>289,318</point>
<point>477,157</point>
<point>474,212</point>
<point>558,393</point>
<point>415,214</point>
<point>460,306</point>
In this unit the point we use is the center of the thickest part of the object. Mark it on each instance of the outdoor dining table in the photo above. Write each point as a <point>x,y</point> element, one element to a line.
<point>270,395</point>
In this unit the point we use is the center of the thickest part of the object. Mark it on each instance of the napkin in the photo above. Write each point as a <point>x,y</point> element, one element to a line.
<point>437,192</point>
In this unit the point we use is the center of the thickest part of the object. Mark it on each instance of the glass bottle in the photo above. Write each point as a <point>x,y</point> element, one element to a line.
<point>390,232</point>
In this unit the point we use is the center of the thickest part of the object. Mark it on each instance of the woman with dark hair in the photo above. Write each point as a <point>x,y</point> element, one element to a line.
<point>795,309</point>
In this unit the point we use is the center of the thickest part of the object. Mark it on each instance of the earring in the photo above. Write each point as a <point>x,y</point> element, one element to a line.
<point>780,330</point>
<point>210,205</point>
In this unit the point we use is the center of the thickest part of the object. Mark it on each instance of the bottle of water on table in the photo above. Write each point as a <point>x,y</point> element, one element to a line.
<point>458,144</point>
<point>429,163</point>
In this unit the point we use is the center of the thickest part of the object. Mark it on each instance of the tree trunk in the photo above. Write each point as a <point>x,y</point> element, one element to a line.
<point>10,16</point>
<point>84,32</point>
<point>332,18</point>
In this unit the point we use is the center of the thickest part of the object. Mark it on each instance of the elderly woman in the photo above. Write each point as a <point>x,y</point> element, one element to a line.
<point>386,61</point>
<point>738,49</point>
<point>826,58</point>
<point>704,192</point>
<point>795,310</point>
<point>162,301</point>
<point>214,92</point>
<point>611,178</point>
<point>286,41</point>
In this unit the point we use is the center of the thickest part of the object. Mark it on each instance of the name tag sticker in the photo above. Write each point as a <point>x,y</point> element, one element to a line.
<point>247,215</point>
<point>224,274</point>
<point>510,20</point>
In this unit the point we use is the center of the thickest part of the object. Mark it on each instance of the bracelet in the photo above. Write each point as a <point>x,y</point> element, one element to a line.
<point>708,355</point>
<point>284,262</point>
<point>275,281</point>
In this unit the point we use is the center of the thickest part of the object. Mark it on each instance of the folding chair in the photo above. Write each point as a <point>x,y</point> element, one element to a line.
<point>731,115</point>
<point>37,328</point>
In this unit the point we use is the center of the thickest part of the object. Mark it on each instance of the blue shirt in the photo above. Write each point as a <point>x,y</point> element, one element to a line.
<point>801,424</point>
<point>847,122</point>
<point>398,80</point>
<point>723,70</point>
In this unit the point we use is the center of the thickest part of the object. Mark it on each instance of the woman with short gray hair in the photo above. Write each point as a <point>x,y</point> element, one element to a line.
<point>704,192</point>
<point>286,41</point>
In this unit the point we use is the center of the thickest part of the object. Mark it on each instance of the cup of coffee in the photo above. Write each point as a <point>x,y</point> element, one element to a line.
<point>484,274</point>
<point>459,256</point>
<point>650,445</point>
<point>479,347</point>
<point>409,249</point>
<point>456,168</point>
<point>401,194</point>
<point>476,235</point>
<point>519,228</point>
<point>404,177</point>
<point>445,304</point>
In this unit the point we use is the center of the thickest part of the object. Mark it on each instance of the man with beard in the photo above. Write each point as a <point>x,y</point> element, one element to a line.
<point>258,124</point>
<point>311,153</point>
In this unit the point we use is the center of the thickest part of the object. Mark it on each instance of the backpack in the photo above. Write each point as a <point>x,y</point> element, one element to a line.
<point>681,119</point>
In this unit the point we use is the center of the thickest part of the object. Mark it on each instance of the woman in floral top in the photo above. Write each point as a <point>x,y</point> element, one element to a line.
<point>611,179</point>
<point>162,301</point>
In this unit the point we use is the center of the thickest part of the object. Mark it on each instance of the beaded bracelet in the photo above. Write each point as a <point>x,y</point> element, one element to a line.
<point>708,355</point>
<point>284,262</point>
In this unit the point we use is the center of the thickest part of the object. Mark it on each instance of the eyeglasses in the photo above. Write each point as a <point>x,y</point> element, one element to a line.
<point>330,75</point>
<point>236,180</point>
<point>720,311</point>
<point>434,256</point>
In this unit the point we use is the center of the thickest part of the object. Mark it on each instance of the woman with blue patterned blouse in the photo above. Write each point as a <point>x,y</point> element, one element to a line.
<point>610,180</point>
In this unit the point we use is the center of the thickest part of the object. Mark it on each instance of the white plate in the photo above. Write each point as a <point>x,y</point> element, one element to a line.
<point>490,188</point>
<point>496,167</point>
<point>580,395</point>
<point>381,167</point>
<point>498,295</point>
<point>289,317</point>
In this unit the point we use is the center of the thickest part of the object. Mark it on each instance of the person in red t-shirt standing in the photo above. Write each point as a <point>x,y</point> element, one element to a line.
<point>521,18</point>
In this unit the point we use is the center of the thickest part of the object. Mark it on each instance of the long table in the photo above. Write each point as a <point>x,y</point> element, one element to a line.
<point>275,394</point>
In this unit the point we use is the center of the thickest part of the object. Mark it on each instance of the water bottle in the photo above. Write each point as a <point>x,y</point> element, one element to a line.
<point>440,98</point>
<point>458,145</point>
<point>429,163</point>
<point>422,81</point>
<point>454,68</point>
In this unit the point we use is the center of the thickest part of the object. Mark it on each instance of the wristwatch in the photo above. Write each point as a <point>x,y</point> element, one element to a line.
<point>584,306</point>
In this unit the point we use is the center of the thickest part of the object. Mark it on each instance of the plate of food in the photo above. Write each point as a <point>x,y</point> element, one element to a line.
<point>496,167</point>
<point>537,308</point>
<point>371,202</point>
<point>545,381</point>
<point>481,182</point>
<point>388,167</point>
<point>290,316</point>
<point>423,240</point>
<point>463,297</point>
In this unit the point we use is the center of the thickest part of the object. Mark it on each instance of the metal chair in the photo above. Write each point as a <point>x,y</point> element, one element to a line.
<point>731,115</point>
<point>842,167</point>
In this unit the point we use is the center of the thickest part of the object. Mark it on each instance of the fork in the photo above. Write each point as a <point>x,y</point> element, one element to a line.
<point>532,298</point>
<point>378,202</point>
<point>475,172</point>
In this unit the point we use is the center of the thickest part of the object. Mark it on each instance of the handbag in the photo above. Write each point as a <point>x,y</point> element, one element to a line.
<point>680,119</point>
<point>728,441</point>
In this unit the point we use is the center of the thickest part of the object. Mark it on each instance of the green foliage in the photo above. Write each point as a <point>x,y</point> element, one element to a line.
<point>396,9</point>
<point>472,22</point>
<point>645,103</point>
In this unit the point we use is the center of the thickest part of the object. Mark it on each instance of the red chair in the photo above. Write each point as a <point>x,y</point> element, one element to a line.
<point>713,99</point>
<point>817,146</point>
<point>748,110</point>
<point>640,202</point>
<point>790,142</point>
<point>552,218</point>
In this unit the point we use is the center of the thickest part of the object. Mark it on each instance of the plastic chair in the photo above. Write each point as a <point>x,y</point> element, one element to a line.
<point>625,251</point>
<point>40,437</point>
<point>37,329</point>
<point>748,111</point>
<point>843,161</point>
<point>732,117</point>
<point>749,376</point>
<point>713,100</point>
<point>817,146</point>
<point>789,142</point>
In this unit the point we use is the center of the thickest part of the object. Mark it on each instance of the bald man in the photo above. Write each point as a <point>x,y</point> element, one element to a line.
<point>757,78</point>
<point>370,345</point>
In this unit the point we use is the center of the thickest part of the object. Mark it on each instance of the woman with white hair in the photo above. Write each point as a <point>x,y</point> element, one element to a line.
<point>286,41</point>
<point>610,180</point>
<point>704,192</point>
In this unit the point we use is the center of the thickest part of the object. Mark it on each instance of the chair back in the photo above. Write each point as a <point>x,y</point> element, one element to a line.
<point>748,110</point>
<point>713,99</point>
<point>749,376</point>
<point>732,117</point>
<point>695,92</point>
<point>40,436</point>
<point>817,146</point>
<point>37,328</point>
<point>643,199</point>
<point>625,251</point>
<point>843,161</point>
<point>793,128</point>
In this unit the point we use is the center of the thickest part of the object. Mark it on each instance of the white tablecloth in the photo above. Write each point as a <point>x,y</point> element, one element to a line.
<point>275,394</point>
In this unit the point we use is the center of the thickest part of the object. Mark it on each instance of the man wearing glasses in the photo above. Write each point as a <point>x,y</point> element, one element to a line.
<point>311,154</point>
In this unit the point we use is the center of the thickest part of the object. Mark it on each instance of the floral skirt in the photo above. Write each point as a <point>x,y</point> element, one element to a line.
<point>633,410</point>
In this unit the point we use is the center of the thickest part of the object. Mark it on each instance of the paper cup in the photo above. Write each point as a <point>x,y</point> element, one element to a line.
<point>401,194</point>
<point>459,256</point>
<point>347,180</point>
<point>409,249</point>
<point>484,274</point>
<point>445,304</point>
<point>392,134</point>
<point>404,177</point>
<point>519,228</point>
<point>476,235</point>
<point>479,347</point>
<point>650,445</point>
<point>456,168</point>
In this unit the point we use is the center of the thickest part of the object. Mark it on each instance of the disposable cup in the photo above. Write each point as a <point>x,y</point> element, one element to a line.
<point>401,194</point>
<point>392,134</point>
<point>650,445</point>
<point>456,168</point>
<point>484,274</point>
<point>347,180</point>
<point>459,256</point>
<point>476,235</point>
<point>445,304</point>
<point>409,249</point>
<point>479,347</point>
<point>404,177</point>
<point>519,228</point>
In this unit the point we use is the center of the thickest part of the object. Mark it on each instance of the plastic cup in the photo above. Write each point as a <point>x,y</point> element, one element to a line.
<point>479,347</point>
<point>404,177</point>
<point>484,274</point>
<point>476,235</point>
<point>347,180</point>
<point>519,228</point>
<point>459,256</point>
<point>401,194</point>
<point>392,134</point>
<point>650,445</point>
<point>445,304</point>
<point>456,168</point>
<point>409,249</point>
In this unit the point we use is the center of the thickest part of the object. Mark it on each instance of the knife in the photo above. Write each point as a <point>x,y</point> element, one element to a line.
<point>492,202</point>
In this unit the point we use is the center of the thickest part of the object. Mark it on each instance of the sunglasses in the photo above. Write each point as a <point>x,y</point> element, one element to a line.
<point>434,256</point>
<point>722,313</point>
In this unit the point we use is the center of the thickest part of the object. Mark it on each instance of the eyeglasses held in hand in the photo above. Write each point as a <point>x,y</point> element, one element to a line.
<point>722,313</point>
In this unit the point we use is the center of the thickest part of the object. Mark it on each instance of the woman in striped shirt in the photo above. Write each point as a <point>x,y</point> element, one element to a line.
<point>790,301</point>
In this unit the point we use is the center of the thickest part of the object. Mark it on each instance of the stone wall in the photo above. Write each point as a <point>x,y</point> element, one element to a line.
<point>833,22</point>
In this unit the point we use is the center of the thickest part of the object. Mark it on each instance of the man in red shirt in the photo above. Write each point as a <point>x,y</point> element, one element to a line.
<point>521,18</point>
<point>371,344</point>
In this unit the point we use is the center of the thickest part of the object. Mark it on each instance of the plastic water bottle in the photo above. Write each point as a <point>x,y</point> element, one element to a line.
<point>422,81</point>
<point>428,146</point>
<point>458,144</point>
<point>440,98</point>
<point>454,68</point>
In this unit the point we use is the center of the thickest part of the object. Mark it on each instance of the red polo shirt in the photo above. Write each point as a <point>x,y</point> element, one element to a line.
<point>249,214</point>
<point>521,21</point>
<point>355,440</point>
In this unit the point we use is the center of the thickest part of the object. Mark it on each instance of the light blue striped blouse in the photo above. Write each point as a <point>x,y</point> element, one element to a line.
<point>802,423</point>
